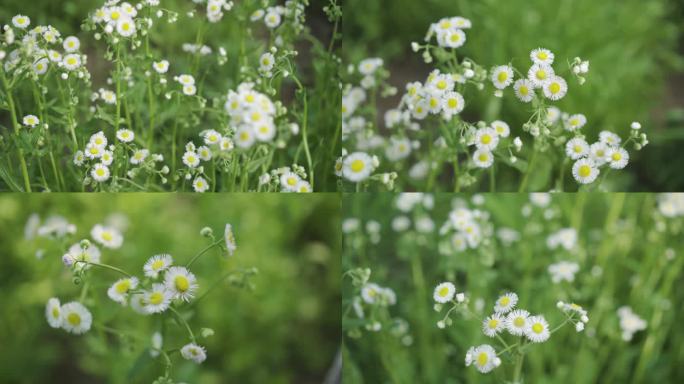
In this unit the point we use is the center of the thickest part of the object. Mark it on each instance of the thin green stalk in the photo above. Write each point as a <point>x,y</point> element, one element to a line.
<point>517,374</point>
<point>210,246</point>
<point>492,179</point>
<point>15,124</point>
<point>106,266</point>
<point>118,87</point>
<point>185,323</point>
<point>530,165</point>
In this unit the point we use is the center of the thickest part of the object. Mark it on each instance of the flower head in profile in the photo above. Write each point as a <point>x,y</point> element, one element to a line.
<point>53,312</point>
<point>231,244</point>
<point>194,352</point>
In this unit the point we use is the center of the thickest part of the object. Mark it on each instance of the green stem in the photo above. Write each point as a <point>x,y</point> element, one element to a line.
<point>518,368</point>
<point>15,124</point>
<point>530,165</point>
<point>107,266</point>
<point>185,323</point>
<point>210,246</point>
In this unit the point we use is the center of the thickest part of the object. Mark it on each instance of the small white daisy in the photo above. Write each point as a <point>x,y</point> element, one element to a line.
<point>76,318</point>
<point>486,138</point>
<point>157,299</point>
<point>575,122</point>
<point>444,292</point>
<point>524,90</point>
<point>483,158</point>
<point>454,38</point>
<point>71,61</point>
<point>245,136</point>
<point>125,27</point>
<point>502,129</point>
<point>139,156</point>
<point>483,357</point>
<point>538,74</point>
<point>41,66</point>
<point>370,293</point>
<point>555,88</point>
<point>453,103</point>
<point>266,62</point>
<point>609,138</point>
<point>194,353</point>
<point>157,264</point>
<point>506,302</point>
<point>71,44</point>
<point>585,171</point>
<point>100,172</point>
<point>357,167</point>
<point>618,157</point>
<point>110,237</point>
<point>493,324</point>
<point>542,56</point>
<point>21,21</point>
<point>107,158</point>
<point>212,137</point>
<point>303,187</point>
<point>289,181</point>
<point>502,76</point>
<point>191,159</point>
<point>598,153</point>
<point>231,244</point>
<point>30,121</point>
<point>181,283</point>
<point>161,66</point>
<point>537,329</point>
<point>516,322</point>
<point>125,135</point>
<point>53,313</point>
<point>200,184</point>
<point>576,148</point>
<point>119,290</point>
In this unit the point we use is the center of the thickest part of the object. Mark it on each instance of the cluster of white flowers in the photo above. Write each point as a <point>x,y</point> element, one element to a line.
<point>540,76</point>
<point>630,322</point>
<point>253,113</point>
<point>54,226</point>
<point>73,317</point>
<point>187,83</point>
<point>287,179</point>
<point>372,293</point>
<point>671,204</point>
<point>565,238</point>
<point>572,309</point>
<point>215,9</point>
<point>449,31</point>
<point>469,227</point>
<point>563,270</point>
<point>118,19</point>
<point>291,13</point>
<point>437,96</point>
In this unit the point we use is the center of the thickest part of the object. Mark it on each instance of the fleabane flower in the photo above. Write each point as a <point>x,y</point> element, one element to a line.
<point>125,135</point>
<point>501,128</point>
<point>524,90</point>
<point>200,184</point>
<point>194,352</point>
<point>502,76</point>
<point>609,138</point>
<point>506,302</point>
<point>516,322</point>
<point>266,62</point>
<point>483,357</point>
<point>452,103</point>
<point>357,166</point>
<point>289,181</point>
<point>125,27</point>
<point>30,121</point>
<point>555,88</point>
<point>119,290</point>
<point>585,171</point>
<point>157,299</point>
<point>100,172</point>
<point>161,66</point>
<point>576,148</point>
<point>71,61</point>
<point>617,157</point>
<point>486,138</point>
<point>444,292</point>
<point>157,264</point>
<point>21,21</point>
<point>537,329</point>
<point>53,312</point>
<point>181,283</point>
<point>110,237</point>
<point>542,56</point>
<point>493,324</point>
<point>538,74</point>
<point>191,159</point>
<point>575,122</point>
<point>76,318</point>
<point>231,244</point>
<point>71,44</point>
<point>483,158</point>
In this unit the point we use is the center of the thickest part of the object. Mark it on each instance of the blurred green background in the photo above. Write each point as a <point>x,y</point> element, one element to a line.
<point>635,49</point>
<point>286,330</point>
<point>627,252</point>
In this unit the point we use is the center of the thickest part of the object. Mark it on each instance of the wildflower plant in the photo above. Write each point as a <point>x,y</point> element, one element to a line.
<point>428,143</point>
<point>165,290</point>
<point>211,114</point>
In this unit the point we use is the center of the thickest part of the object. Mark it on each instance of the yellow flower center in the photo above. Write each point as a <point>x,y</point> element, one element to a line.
<point>503,76</point>
<point>434,102</point>
<point>357,166</point>
<point>105,235</point>
<point>443,291</point>
<point>617,156</point>
<point>55,312</point>
<point>455,37</point>
<point>115,15</point>
<point>442,84</point>
<point>157,264</point>
<point>71,61</point>
<point>483,157</point>
<point>554,88</point>
<point>482,359</point>
<point>123,286</point>
<point>244,136</point>
<point>537,328</point>
<point>486,139</point>
<point>156,298</point>
<point>524,90</point>
<point>519,322</point>
<point>182,283</point>
<point>74,319</point>
<point>578,149</point>
<point>584,171</point>
<point>542,55</point>
<point>291,181</point>
<point>256,116</point>
<point>504,300</point>
<point>493,323</point>
<point>249,98</point>
<point>453,103</point>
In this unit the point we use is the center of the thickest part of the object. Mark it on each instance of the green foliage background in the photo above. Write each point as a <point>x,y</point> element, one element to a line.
<point>632,46</point>
<point>286,330</point>
<point>620,233</point>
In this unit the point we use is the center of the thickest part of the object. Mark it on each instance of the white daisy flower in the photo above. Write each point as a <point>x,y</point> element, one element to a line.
<point>538,74</point>
<point>21,21</point>
<point>265,131</point>
<point>93,151</point>
<point>185,79</point>
<point>138,303</point>
<point>107,158</point>
<point>454,38</point>
<point>110,237</point>
<point>555,88</point>
<point>157,264</point>
<point>444,292</point>
<point>609,138</point>
<point>161,66</point>
<point>204,153</point>
<point>191,159</point>
<point>585,171</point>
<point>303,187</point>
<point>181,283</point>
<point>357,167</point>
<point>200,184</point>
<point>524,90</point>
<point>516,322</point>
<point>41,66</point>
<point>98,139</point>
<point>618,157</point>
<point>576,148</point>
<point>542,56</point>
<point>482,158</point>
<point>245,136</point>
<point>370,293</point>
<point>54,56</point>
<point>501,128</point>
<point>189,90</point>
<point>212,137</point>
<point>420,110</point>
<point>553,114</point>
<point>493,324</point>
<point>575,122</point>
<point>598,152</point>
<point>266,62</point>
<point>125,135</point>
<point>226,144</point>
<point>483,357</point>
<point>156,300</point>
<point>537,329</point>
<point>71,61</point>
<point>53,313</point>
<point>231,244</point>
<point>30,121</point>
<point>502,76</point>
<point>486,138</point>
<point>71,44</point>
<point>125,27</point>
<point>272,19</point>
<point>76,254</point>
<point>100,173</point>
<point>194,353</point>
<point>452,103</point>
<point>563,270</point>
<point>289,181</point>
<point>76,318</point>
<point>119,290</point>
<point>506,302</point>
<point>139,156</point>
